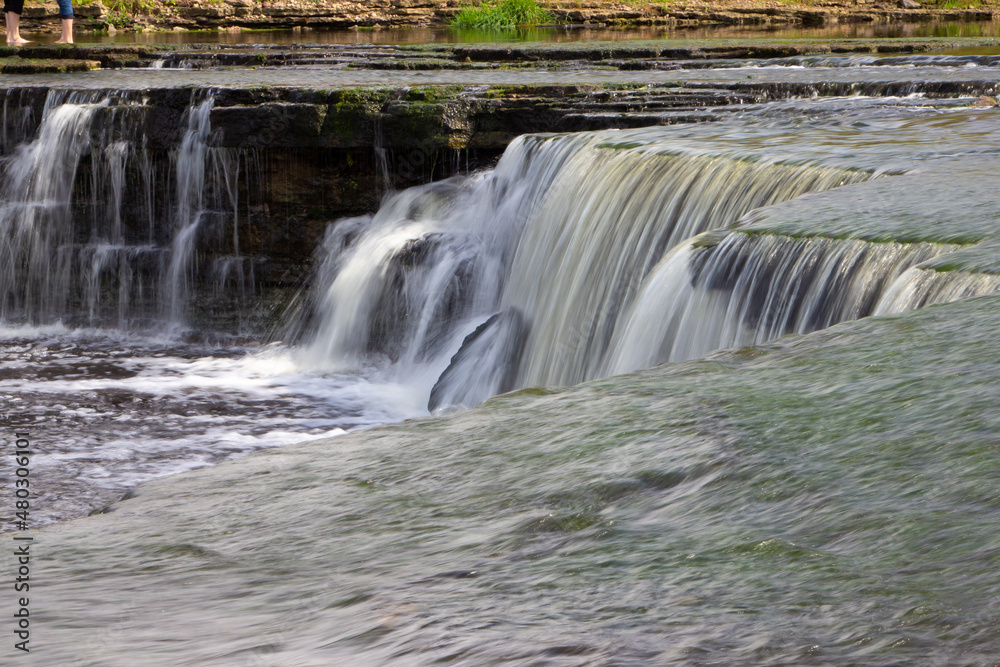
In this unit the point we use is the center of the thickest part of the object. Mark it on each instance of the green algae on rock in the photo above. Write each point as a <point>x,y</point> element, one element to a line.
<point>22,65</point>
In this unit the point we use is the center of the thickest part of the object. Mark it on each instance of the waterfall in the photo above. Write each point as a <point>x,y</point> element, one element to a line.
<point>396,283</point>
<point>577,256</point>
<point>189,166</point>
<point>522,275</point>
<point>919,287</point>
<point>36,224</point>
<point>603,228</point>
<point>746,289</point>
<point>101,250</point>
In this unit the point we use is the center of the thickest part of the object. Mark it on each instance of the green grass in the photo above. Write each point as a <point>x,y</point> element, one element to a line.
<point>960,4</point>
<point>132,7</point>
<point>501,14</point>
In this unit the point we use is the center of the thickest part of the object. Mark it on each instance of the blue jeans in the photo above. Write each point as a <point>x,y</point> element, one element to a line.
<point>16,6</point>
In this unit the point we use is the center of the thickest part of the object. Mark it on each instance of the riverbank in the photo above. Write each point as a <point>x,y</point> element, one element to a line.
<point>159,15</point>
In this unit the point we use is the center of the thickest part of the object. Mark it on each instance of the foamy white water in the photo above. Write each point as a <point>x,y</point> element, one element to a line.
<point>109,409</point>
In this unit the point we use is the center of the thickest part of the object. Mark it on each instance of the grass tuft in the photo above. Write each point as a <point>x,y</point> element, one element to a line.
<point>501,14</point>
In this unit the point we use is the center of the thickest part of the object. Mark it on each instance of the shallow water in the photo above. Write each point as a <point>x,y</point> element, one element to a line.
<point>327,77</point>
<point>120,408</point>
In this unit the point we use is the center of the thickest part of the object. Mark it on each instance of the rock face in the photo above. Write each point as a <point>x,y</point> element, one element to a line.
<point>325,13</point>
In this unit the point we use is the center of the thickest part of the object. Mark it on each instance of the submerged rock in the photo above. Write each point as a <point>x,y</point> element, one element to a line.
<point>485,365</point>
<point>984,102</point>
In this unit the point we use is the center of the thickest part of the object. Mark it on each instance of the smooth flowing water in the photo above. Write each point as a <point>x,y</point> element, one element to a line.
<point>820,498</point>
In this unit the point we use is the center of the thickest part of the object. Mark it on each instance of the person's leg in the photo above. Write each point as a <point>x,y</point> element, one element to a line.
<point>67,32</point>
<point>12,12</point>
<point>66,14</point>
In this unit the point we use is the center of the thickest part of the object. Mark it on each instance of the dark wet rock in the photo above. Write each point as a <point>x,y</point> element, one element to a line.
<point>419,251</point>
<point>272,124</point>
<point>392,312</point>
<point>485,365</point>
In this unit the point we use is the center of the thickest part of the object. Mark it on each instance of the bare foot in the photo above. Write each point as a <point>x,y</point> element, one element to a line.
<point>17,42</point>
<point>63,41</point>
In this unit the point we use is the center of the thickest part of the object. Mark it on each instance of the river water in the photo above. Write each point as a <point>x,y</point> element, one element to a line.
<point>822,492</point>
<point>828,499</point>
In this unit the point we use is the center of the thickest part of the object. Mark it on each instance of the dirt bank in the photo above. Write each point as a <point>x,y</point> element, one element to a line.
<point>263,14</point>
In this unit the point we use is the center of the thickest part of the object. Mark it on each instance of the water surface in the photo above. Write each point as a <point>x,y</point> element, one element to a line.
<point>826,499</point>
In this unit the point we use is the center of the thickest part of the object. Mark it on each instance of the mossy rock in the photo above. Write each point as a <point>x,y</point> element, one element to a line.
<point>17,65</point>
<point>984,102</point>
<point>433,94</point>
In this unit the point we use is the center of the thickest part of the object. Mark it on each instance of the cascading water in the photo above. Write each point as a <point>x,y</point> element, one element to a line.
<point>533,265</point>
<point>920,287</point>
<point>108,261</point>
<point>409,282</point>
<point>746,289</point>
<point>190,179</point>
<point>579,257</point>
<point>566,262</point>
<point>36,225</point>
<point>599,233</point>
